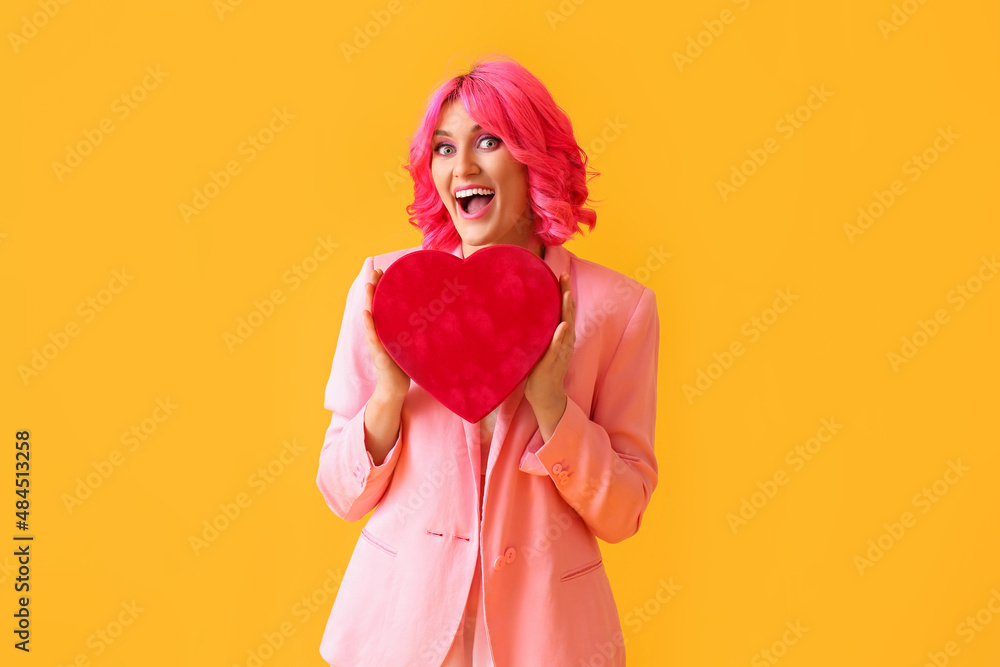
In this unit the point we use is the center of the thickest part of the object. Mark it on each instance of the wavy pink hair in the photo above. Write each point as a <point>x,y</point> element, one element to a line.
<point>510,102</point>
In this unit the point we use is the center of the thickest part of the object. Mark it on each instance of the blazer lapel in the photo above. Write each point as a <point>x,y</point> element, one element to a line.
<point>505,416</point>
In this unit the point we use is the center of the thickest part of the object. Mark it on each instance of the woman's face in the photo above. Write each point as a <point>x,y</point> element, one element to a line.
<point>464,155</point>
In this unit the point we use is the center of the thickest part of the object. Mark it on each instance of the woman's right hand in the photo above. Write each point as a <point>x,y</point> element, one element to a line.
<point>391,380</point>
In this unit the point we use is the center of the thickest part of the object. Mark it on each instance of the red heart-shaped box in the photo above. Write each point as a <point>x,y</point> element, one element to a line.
<point>467,331</point>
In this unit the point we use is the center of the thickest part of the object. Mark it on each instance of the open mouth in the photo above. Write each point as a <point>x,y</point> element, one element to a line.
<point>474,203</point>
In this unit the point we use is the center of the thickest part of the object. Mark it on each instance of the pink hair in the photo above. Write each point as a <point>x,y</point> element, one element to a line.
<point>510,102</point>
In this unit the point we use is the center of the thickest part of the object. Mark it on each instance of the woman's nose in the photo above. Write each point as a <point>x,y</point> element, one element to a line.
<point>465,163</point>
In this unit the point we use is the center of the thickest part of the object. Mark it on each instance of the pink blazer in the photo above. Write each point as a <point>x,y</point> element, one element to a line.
<point>548,600</point>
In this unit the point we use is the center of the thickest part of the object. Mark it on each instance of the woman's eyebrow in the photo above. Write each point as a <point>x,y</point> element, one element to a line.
<point>475,128</point>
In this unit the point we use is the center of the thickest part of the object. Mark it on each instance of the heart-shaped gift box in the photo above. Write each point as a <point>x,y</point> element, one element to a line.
<point>467,331</point>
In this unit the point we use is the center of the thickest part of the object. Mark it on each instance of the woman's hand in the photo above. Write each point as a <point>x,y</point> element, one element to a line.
<point>391,380</point>
<point>544,389</point>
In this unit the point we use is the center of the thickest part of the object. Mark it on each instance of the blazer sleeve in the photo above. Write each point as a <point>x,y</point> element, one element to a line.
<point>605,467</point>
<point>348,478</point>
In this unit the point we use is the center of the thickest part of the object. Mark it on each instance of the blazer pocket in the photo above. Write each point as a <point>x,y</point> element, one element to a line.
<point>377,543</point>
<point>582,570</point>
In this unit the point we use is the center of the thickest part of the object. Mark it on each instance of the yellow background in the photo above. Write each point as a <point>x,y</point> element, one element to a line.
<point>663,136</point>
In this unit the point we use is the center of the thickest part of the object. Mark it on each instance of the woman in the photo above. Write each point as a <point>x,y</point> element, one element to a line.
<point>482,549</point>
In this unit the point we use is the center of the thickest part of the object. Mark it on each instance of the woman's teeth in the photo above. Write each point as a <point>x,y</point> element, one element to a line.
<point>474,191</point>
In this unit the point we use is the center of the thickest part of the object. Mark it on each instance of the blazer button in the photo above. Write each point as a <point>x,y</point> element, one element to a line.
<point>510,554</point>
<point>498,563</point>
<point>557,468</point>
<point>563,477</point>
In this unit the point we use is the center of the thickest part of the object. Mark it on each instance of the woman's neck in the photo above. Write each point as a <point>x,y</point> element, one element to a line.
<point>540,251</point>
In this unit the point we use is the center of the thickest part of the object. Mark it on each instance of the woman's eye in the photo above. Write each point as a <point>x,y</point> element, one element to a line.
<point>439,149</point>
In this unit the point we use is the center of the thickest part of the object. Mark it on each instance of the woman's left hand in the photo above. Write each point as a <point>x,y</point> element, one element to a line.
<point>544,389</point>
